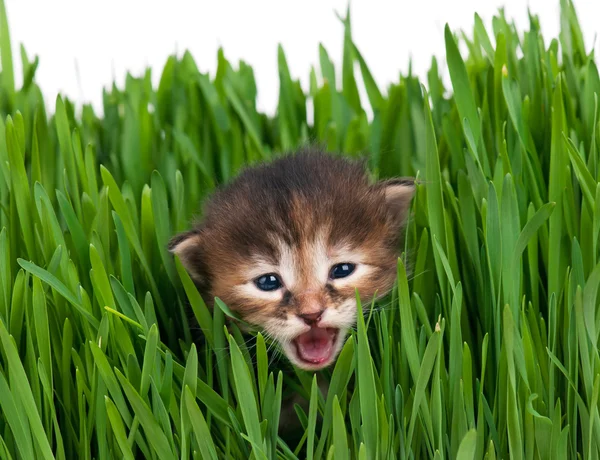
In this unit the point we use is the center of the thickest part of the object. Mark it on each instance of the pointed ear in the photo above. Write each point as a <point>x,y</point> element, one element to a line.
<point>398,196</point>
<point>189,248</point>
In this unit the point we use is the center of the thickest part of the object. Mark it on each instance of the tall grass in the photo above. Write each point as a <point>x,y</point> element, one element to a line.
<point>489,349</point>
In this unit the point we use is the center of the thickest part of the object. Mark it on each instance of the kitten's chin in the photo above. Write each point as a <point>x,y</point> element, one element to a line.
<point>315,349</point>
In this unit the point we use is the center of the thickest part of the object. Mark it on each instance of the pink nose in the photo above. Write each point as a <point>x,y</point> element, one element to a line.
<point>311,318</point>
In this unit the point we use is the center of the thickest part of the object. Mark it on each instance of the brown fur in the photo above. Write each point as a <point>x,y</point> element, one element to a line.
<point>301,202</point>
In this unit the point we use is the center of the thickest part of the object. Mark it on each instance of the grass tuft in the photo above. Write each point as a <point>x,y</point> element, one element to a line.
<point>487,348</point>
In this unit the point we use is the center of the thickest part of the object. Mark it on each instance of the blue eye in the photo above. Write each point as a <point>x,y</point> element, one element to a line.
<point>269,282</point>
<point>341,270</point>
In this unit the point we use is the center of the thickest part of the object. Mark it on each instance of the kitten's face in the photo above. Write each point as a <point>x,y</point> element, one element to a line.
<point>304,297</point>
<point>287,244</point>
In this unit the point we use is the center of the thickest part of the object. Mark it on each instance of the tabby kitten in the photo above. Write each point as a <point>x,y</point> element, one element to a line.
<point>286,244</point>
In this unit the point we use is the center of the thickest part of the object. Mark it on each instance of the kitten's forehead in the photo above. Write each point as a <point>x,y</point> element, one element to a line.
<point>278,225</point>
<point>295,199</point>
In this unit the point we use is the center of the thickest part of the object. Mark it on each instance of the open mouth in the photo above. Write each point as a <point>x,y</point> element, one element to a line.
<point>316,347</point>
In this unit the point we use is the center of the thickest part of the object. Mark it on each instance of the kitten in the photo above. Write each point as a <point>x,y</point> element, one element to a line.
<point>286,243</point>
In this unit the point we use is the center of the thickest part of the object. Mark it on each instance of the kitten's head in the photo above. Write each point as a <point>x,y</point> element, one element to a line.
<point>286,244</point>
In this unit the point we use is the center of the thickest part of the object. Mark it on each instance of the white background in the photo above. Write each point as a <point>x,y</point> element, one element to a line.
<point>84,45</point>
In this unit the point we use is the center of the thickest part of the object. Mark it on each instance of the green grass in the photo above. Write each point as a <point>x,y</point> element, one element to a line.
<point>488,349</point>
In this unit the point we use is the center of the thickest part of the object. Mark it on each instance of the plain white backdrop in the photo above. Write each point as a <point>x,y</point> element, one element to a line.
<point>84,45</point>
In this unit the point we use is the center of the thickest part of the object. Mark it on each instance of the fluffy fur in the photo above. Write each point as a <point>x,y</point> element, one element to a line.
<point>297,217</point>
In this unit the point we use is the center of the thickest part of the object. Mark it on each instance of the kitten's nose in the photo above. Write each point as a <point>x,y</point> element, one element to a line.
<point>311,318</point>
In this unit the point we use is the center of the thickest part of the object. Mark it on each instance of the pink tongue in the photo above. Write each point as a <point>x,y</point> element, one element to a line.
<point>315,346</point>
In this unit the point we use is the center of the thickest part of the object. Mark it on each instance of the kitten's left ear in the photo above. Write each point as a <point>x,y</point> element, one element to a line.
<point>398,196</point>
<point>188,247</point>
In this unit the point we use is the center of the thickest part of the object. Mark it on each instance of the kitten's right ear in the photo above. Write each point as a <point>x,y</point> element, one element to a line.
<point>399,193</point>
<point>188,247</point>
